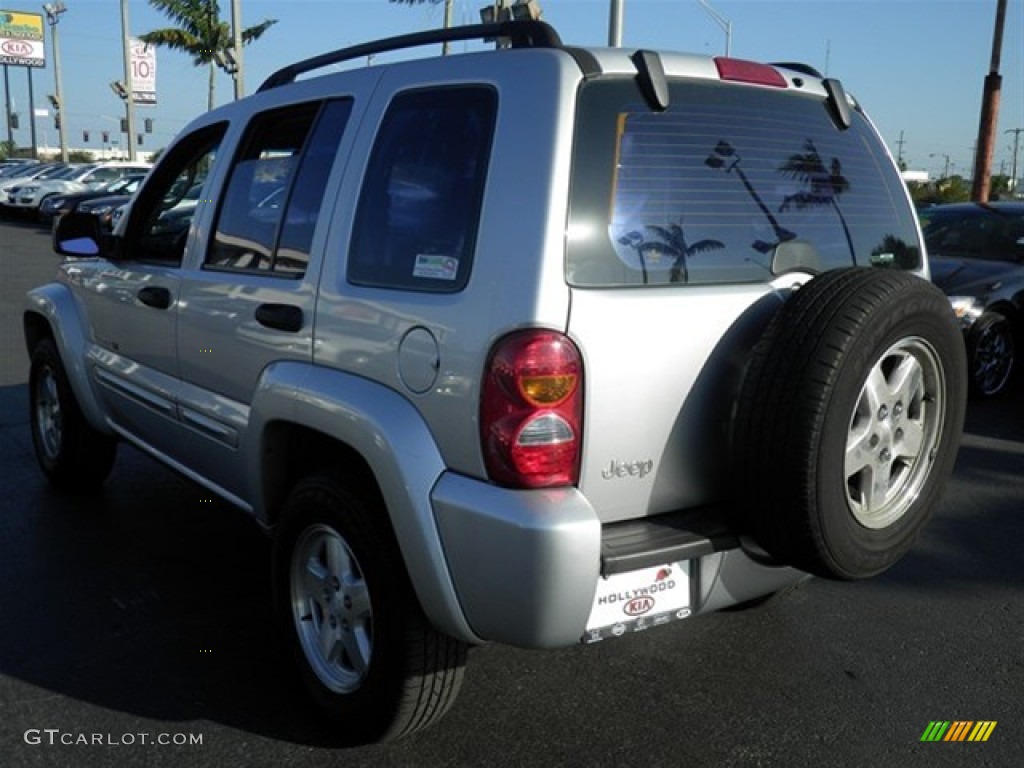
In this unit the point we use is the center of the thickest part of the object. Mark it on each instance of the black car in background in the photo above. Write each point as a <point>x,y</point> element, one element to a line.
<point>976,251</point>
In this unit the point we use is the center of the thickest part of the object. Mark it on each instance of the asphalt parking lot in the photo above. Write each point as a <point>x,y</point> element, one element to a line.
<point>142,615</point>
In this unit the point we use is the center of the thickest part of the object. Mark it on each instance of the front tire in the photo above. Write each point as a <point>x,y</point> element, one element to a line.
<point>849,421</point>
<point>73,456</point>
<point>365,651</point>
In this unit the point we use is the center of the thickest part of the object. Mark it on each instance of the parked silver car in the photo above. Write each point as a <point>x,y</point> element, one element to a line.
<point>30,195</point>
<point>539,346</point>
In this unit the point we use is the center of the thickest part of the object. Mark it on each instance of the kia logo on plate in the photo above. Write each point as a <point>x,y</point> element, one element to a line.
<point>638,606</point>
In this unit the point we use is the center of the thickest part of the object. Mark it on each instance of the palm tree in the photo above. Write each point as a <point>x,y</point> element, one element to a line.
<point>822,186</point>
<point>200,33</point>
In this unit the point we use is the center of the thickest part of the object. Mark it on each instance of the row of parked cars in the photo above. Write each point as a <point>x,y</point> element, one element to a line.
<point>46,190</point>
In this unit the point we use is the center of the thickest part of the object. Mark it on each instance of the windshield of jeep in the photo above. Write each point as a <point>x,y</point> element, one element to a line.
<point>730,185</point>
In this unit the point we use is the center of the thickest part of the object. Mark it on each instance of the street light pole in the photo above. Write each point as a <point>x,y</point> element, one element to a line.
<point>129,99</point>
<point>53,13</point>
<point>615,14</point>
<point>448,11</point>
<point>723,22</point>
<point>7,111</point>
<point>945,173</point>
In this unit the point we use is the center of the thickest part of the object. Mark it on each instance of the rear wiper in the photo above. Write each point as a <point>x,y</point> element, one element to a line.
<point>650,75</point>
<point>839,107</point>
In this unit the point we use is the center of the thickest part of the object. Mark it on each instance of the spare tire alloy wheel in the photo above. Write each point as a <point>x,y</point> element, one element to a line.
<point>894,432</point>
<point>849,421</point>
<point>364,649</point>
<point>990,355</point>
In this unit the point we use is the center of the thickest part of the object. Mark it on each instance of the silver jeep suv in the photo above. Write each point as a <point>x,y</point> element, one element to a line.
<point>539,346</point>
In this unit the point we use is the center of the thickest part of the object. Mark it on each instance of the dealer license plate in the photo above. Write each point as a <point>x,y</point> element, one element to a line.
<point>639,600</point>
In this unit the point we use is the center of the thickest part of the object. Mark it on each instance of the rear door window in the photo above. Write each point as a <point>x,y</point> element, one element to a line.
<point>729,185</point>
<point>272,201</point>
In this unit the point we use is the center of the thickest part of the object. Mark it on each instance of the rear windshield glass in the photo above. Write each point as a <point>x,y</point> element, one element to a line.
<point>729,185</point>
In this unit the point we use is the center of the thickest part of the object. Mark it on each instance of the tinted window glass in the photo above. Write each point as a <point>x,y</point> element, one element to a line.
<point>273,196</point>
<point>976,232</point>
<point>730,184</point>
<point>418,212</point>
<point>157,229</point>
<point>303,207</point>
<point>256,190</point>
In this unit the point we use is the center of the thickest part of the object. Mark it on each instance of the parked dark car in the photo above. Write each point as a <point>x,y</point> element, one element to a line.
<point>58,205</point>
<point>976,252</point>
<point>103,206</point>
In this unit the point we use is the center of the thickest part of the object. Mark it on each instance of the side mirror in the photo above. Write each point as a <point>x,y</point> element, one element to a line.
<point>77,235</point>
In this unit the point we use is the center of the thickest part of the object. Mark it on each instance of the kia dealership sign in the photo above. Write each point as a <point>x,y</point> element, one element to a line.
<point>21,39</point>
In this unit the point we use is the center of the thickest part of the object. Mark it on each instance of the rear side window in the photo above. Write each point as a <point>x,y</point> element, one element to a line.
<point>729,185</point>
<point>416,223</point>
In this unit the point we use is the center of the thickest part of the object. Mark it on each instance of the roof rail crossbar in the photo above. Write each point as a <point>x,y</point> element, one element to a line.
<point>527,33</point>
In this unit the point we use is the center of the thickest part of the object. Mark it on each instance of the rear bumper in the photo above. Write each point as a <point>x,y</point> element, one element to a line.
<point>526,564</point>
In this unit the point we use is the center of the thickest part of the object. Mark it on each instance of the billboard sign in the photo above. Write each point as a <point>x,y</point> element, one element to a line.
<point>21,39</point>
<point>143,62</point>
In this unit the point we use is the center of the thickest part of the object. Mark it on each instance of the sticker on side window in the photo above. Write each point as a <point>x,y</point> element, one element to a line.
<point>638,600</point>
<point>435,267</point>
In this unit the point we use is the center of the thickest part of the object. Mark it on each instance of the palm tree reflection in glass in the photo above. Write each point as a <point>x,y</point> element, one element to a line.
<point>671,242</point>
<point>724,156</point>
<point>822,186</point>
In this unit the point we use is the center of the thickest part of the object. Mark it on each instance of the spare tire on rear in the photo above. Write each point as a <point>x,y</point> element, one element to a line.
<point>849,420</point>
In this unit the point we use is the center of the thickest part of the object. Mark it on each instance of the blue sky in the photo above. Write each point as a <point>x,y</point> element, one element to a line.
<point>916,65</point>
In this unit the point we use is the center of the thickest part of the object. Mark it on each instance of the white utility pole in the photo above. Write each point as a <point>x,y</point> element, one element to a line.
<point>53,14</point>
<point>615,24</point>
<point>129,99</point>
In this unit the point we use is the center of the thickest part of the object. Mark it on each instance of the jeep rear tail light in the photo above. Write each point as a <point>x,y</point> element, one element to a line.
<point>531,410</point>
<point>742,71</point>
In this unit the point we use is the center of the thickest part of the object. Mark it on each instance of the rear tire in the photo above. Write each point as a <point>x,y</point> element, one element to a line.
<point>849,421</point>
<point>75,457</point>
<point>365,651</point>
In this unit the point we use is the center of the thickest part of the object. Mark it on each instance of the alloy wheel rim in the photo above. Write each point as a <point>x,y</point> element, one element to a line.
<point>993,359</point>
<point>331,609</point>
<point>49,418</point>
<point>894,432</point>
